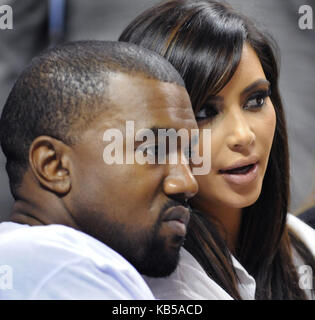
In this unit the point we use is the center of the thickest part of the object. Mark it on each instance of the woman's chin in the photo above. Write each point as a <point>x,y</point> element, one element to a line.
<point>227,199</point>
<point>240,201</point>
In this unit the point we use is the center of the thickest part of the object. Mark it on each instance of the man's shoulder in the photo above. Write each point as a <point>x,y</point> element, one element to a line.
<point>62,242</point>
<point>13,234</point>
<point>58,262</point>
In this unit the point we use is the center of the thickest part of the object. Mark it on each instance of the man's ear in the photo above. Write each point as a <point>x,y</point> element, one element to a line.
<point>50,163</point>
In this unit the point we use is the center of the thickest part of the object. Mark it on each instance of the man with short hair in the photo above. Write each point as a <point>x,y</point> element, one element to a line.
<point>81,227</point>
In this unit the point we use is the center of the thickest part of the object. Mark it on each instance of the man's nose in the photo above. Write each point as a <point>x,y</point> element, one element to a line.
<point>241,134</point>
<point>180,180</point>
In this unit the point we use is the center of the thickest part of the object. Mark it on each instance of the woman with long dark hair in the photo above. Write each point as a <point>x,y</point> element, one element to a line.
<point>240,232</point>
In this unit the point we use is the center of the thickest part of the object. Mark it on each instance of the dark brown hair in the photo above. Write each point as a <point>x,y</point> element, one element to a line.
<point>204,42</point>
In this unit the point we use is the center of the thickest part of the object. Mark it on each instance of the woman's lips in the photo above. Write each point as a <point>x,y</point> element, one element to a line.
<point>242,175</point>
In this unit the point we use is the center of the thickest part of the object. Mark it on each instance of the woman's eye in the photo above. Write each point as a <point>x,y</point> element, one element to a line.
<point>206,112</point>
<point>257,100</point>
<point>255,103</point>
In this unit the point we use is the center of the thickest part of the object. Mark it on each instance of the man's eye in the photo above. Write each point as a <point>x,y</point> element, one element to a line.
<point>208,111</point>
<point>151,150</point>
<point>257,100</point>
<point>147,150</point>
<point>156,152</point>
<point>190,152</point>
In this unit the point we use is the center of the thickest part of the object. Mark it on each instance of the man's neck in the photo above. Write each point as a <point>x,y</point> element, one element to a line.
<point>40,208</point>
<point>24,213</point>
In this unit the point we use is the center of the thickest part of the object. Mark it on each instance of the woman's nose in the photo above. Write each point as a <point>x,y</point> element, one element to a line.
<point>241,134</point>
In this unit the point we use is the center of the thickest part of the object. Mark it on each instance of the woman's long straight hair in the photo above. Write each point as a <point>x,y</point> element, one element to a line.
<point>204,41</point>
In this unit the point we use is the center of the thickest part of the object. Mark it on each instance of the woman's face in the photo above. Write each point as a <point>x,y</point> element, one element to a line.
<point>242,121</point>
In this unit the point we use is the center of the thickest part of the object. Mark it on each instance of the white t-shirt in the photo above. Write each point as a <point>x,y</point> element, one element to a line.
<point>58,262</point>
<point>190,281</point>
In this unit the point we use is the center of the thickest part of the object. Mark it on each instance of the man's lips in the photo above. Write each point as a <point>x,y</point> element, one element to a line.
<point>176,220</point>
<point>178,213</point>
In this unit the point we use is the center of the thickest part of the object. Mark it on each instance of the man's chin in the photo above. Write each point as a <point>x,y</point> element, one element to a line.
<point>162,263</point>
<point>162,269</point>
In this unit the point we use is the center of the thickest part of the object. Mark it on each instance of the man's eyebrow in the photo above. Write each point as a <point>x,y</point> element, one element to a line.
<point>154,130</point>
<point>194,140</point>
<point>254,85</point>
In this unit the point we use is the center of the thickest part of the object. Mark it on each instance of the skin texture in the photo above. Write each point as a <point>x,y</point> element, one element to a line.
<point>122,205</point>
<point>238,132</point>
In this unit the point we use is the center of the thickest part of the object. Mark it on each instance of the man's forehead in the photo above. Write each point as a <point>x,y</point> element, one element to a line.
<point>149,102</point>
<point>139,90</point>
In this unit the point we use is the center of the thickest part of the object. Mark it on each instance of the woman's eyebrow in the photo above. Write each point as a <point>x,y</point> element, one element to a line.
<point>254,85</point>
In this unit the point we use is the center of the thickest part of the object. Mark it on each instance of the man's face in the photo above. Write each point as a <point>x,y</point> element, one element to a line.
<point>137,209</point>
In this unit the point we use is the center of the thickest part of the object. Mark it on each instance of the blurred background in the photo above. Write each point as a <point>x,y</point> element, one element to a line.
<point>38,24</point>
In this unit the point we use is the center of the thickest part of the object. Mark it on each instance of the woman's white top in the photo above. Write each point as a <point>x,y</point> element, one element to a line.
<point>190,281</point>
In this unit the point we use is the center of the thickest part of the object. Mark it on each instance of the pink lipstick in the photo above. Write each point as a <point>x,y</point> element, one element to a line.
<point>242,174</point>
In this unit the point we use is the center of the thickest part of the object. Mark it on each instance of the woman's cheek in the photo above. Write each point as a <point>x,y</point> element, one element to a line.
<point>270,121</point>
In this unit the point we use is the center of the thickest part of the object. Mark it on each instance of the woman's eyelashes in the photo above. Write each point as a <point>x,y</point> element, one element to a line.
<point>254,102</point>
<point>257,100</point>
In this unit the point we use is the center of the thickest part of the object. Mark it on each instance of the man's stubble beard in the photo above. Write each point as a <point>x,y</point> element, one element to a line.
<point>147,251</point>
